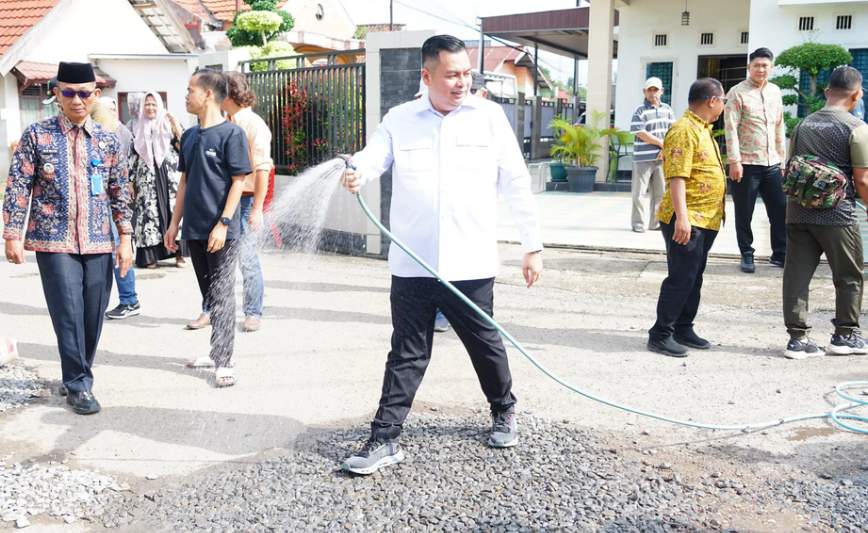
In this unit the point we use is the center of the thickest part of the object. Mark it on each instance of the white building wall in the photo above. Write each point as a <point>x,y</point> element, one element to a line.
<point>777,26</point>
<point>169,75</point>
<point>224,59</point>
<point>642,19</point>
<point>10,120</point>
<point>100,26</point>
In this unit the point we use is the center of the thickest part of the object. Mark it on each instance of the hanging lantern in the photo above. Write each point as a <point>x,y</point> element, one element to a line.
<point>685,15</point>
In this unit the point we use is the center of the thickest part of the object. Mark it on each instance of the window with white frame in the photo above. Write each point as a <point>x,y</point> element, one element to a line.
<point>745,36</point>
<point>706,39</point>
<point>660,40</point>
<point>806,23</point>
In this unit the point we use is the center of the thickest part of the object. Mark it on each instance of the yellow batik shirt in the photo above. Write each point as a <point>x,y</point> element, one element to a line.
<point>690,152</point>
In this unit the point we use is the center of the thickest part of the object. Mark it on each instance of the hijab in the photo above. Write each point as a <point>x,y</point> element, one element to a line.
<point>152,136</point>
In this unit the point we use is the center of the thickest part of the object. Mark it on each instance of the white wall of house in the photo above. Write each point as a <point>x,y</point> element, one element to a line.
<point>73,31</point>
<point>224,59</point>
<point>78,28</point>
<point>160,73</point>
<point>10,118</point>
<point>642,19</point>
<point>777,26</point>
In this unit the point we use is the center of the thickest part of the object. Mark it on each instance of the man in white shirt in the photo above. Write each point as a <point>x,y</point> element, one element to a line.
<point>451,154</point>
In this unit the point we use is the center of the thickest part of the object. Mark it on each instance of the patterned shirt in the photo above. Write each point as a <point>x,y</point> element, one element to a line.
<point>654,120</point>
<point>54,168</point>
<point>839,137</point>
<point>755,128</point>
<point>690,152</point>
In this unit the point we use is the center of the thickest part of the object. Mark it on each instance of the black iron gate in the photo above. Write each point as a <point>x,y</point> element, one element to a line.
<point>314,105</point>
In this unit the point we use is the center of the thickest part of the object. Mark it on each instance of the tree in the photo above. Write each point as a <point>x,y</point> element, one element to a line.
<point>809,59</point>
<point>252,28</point>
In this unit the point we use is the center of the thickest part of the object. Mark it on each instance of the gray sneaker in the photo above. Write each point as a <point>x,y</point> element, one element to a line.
<point>374,455</point>
<point>852,344</point>
<point>504,430</point>
<point>440,323</point>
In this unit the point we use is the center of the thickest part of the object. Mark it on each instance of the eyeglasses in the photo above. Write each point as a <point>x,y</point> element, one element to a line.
<point>69,93</point>
<point>722,99</point>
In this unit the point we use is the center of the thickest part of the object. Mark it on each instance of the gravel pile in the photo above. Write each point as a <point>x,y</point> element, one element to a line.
<point>18,386</point>
<point>840,505</point>
<point>559,478</point>
<point>27,491</point>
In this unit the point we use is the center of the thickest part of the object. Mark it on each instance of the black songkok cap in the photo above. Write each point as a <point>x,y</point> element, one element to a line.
<point>75,73</point>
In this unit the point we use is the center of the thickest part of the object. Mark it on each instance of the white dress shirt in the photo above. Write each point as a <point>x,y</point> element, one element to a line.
<point>447,173</point>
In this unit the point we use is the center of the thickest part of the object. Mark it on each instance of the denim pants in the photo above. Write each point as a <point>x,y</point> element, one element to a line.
<point>251,270</point>
<point>126,285</point>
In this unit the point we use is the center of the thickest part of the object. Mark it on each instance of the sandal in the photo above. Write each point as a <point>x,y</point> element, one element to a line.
<point>200,362</point>
<point>224,377</point>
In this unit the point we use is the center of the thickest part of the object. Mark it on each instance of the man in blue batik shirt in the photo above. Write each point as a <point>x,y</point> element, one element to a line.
<point>68,174</point>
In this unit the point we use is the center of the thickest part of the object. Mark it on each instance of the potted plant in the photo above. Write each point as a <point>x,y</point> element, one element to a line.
<point>557,171</point>
<point>578,146</point>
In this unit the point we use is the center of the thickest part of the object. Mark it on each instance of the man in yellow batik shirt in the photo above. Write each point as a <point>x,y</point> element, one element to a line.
<point>690,216</point>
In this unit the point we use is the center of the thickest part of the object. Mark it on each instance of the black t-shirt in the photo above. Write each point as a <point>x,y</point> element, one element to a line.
<point>210,157</point>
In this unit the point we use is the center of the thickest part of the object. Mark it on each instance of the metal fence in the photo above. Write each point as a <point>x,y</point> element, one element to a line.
<point>521,120</point>
<point>314,105</point>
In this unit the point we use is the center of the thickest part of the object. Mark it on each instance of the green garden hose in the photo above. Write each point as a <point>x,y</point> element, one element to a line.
<point>837,415</point>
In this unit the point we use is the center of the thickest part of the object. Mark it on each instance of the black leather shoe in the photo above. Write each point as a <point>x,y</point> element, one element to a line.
<point>667,346</point>
<point>83,403</point>
<point>777,261</point>
<point>747,265</point>
<point>691,339</point>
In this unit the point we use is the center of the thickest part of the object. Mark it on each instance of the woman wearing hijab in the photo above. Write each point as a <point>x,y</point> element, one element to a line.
<point>154,174</point>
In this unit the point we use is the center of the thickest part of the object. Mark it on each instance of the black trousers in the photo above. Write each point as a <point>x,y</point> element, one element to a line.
<point>215,273</point>
<point>765,182</point>
<point>414,303</point>
<point>77,289</point>
<point>680,291</point>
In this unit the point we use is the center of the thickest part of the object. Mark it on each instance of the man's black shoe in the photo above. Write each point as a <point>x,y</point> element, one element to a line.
<point>777,261</point>
<point>747,265</point>
<point>83,403</point>
<point>62,390</point>
<point>691,339</point>
<point>667,346</point>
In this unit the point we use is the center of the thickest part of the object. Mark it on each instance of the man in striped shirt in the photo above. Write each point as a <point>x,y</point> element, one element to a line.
<point>651,121</point>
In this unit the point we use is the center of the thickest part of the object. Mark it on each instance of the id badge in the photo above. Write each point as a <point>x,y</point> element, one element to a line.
<point>96,187</point>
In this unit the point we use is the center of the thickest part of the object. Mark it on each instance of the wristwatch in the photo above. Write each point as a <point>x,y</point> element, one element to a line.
<point>225,221</point>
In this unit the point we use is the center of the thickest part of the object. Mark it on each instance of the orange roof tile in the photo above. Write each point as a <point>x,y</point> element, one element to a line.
<point>494,56</point>
<point>224,10</point>
<point>32,72</point>
<point>195,7</point>
<point>18,16</point>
